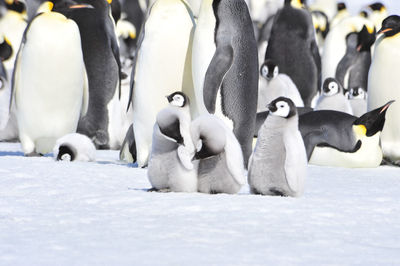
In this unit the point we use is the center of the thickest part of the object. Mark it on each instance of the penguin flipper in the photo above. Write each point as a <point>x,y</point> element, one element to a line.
<point>172,130</point>
<point>219,66</point>
<point>317,59</point>
<point>15,75</point>
<point>311,140</point>
<point>85,98</point>
<point>115,51</point>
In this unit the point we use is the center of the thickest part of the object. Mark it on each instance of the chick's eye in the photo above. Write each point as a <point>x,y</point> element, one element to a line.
<point>281,106</point>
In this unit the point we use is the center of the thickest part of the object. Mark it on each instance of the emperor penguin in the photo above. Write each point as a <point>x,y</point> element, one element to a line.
<point>321,25</point>
<point>284,49</point>
<point>101,54</point>
<point>382,80</point>
<point>50,88</point>
<point>74,147</point>
<point>170,167</point>
<point>338,139</point>
<point>333,97</point>
<point>159,53</point>
<point>335,42</point>
<point>278,165</point>
<point>358,101</point>
<point>342,13</point>
<point>348,59</point>
<point>231,82</point>
<point>275,84</point>
<point>5,90</point>
<point>219,156</point>
<point>376,13</point>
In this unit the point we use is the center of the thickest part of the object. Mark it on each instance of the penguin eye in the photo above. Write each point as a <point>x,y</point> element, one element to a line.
<point>281,106</point>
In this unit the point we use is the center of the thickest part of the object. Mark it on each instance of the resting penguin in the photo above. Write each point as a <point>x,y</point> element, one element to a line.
<point>278,165</point>
<point>231,81</point>
<point>170,167</point>
<point>50,88</point>
<point>358,101</point>
<point>101,55</point>
<point>219,155</point>
<point>74,147</point>
<point>382,84</point>
<point>275,84</point>
<point>333,97</point>
<point>338,139</point>
<point>293,48</point>
<point>158,53</point>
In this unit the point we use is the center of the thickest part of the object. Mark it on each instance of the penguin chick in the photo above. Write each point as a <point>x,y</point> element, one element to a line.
<point>275,85</point>
<point>358,101</point>
<point>338,139</point>
<point>220,166</point>
<point>278,165</point>
<point>333,98</point>
<point>74,147</point>
<point>170,167</point>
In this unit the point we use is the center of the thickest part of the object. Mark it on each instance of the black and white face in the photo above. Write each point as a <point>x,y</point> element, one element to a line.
<point>357,93</point>
<point>330,88</point>
<point>283,107</point>
<point>269,70</point>
<point>177,99</point>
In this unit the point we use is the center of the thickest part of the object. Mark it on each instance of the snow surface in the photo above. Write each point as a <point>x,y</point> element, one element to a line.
<point>62,213</point>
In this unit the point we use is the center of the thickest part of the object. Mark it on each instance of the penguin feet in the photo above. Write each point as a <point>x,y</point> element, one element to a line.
<point>389,162</point>
<point>162,190</point>
<point>100,139</point>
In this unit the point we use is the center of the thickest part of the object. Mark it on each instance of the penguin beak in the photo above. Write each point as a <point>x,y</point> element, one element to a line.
<point>80,6</point>
<point>374,120</point>
<point>384,30</point>
<point>272,108</point>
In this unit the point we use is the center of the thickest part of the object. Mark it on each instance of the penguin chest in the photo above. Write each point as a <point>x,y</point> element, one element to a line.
<point>368,155</point>
<point>50,76</point>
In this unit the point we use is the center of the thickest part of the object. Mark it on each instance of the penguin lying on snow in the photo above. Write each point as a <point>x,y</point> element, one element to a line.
<point>220,166</point>
<point>170,167</point>
<point>278,164</point>
<point>338,139</point>
<point>74,147</point>
<point>275,85</point>
<point>333,98</point>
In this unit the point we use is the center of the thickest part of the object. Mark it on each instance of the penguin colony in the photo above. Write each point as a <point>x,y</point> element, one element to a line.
<point>266,86</point>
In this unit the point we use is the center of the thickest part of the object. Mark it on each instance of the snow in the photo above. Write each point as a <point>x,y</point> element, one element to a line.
<point>79,213</point>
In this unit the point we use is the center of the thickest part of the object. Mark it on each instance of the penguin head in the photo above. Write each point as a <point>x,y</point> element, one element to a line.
<point>365,39</point>
<point>357,93</point>
<point>295,3</point>
<point>331,87</point>
<point>5,48</point>
<point>378,6</point>
<point>65,153</point>
<point>283,107</point>
<point>372,122</point>
<point>178,99</point>
<point>17,6</point>
<point>321,22</point>
<point>341,6</point>
<point>269,70</point>
<point>61,5</point>
<point>390,26</point>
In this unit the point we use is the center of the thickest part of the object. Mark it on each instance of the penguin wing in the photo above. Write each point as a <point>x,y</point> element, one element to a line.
<point>234,158</point>
<point>85,98</point>
<point>115,51</point>
<point>219,66</point>
<point>343,68</point>
<point>317,59</point>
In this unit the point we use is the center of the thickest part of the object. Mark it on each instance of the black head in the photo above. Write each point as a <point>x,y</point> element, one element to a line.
<point>331,87</point>
<point>65,153</point>
<point>357,93</point>
<point>5,49</point>
<point>269,70</point>
<point>373,121</point>
<point>364,14</point>
<point>378,6</point>
<point>365,39</point>
<point>178,99</point>
<point>17,6</point>
<point>283,107</point>
<point>390,26</point>
<point>341,6</point>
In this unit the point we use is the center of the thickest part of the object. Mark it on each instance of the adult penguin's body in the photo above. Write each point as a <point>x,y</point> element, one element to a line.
<point>101,55</point>
<point>231,81</point>
<point>382,84</point>
<point>50,89</point>
<point>293,48</point>
<point>159,54</point>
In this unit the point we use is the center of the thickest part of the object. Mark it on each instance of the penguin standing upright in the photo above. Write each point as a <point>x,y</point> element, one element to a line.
<point>338,139</point>
<point>333,97</point>
<point>382,84</point>
<point>219,156</point>
<point>231,81</point>
<point>160,67</point>
<point>278,165</point>
<point>170,167</point>
<point>293,48</point>
<point>50,88</point>
<point>348,59</point>
<point>101,55</point>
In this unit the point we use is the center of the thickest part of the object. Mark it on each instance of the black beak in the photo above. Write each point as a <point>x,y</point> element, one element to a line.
<point>374,120</point>
<point>272,108</point>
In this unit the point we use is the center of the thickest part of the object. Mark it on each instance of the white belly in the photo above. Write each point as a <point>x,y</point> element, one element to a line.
<point>383,86</point>
<point>49,82</point>
<point>159,68</point>
<point>368,156</point>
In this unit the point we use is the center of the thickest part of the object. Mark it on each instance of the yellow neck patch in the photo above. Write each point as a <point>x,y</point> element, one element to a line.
<point>296,4</point>
<point>45,7</point>
<point>360,130</point>
<point>109,1</point>
<point>9,2</point>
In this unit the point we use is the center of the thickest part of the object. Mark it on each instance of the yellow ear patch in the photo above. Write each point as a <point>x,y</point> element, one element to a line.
<point>9,2</point>
<point>297,4</point>
<point>132,35</point>
<point>109,1</point>
<point>370,30</point>
<point>7,40</point>
<point>360,130</point>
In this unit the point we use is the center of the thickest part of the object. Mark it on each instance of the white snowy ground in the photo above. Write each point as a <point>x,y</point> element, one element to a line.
<point>57,213</point>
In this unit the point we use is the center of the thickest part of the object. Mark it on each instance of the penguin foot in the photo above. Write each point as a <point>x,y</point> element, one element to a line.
<point>162,190</point>
<point>389,162</point>
<point>100,139</point>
